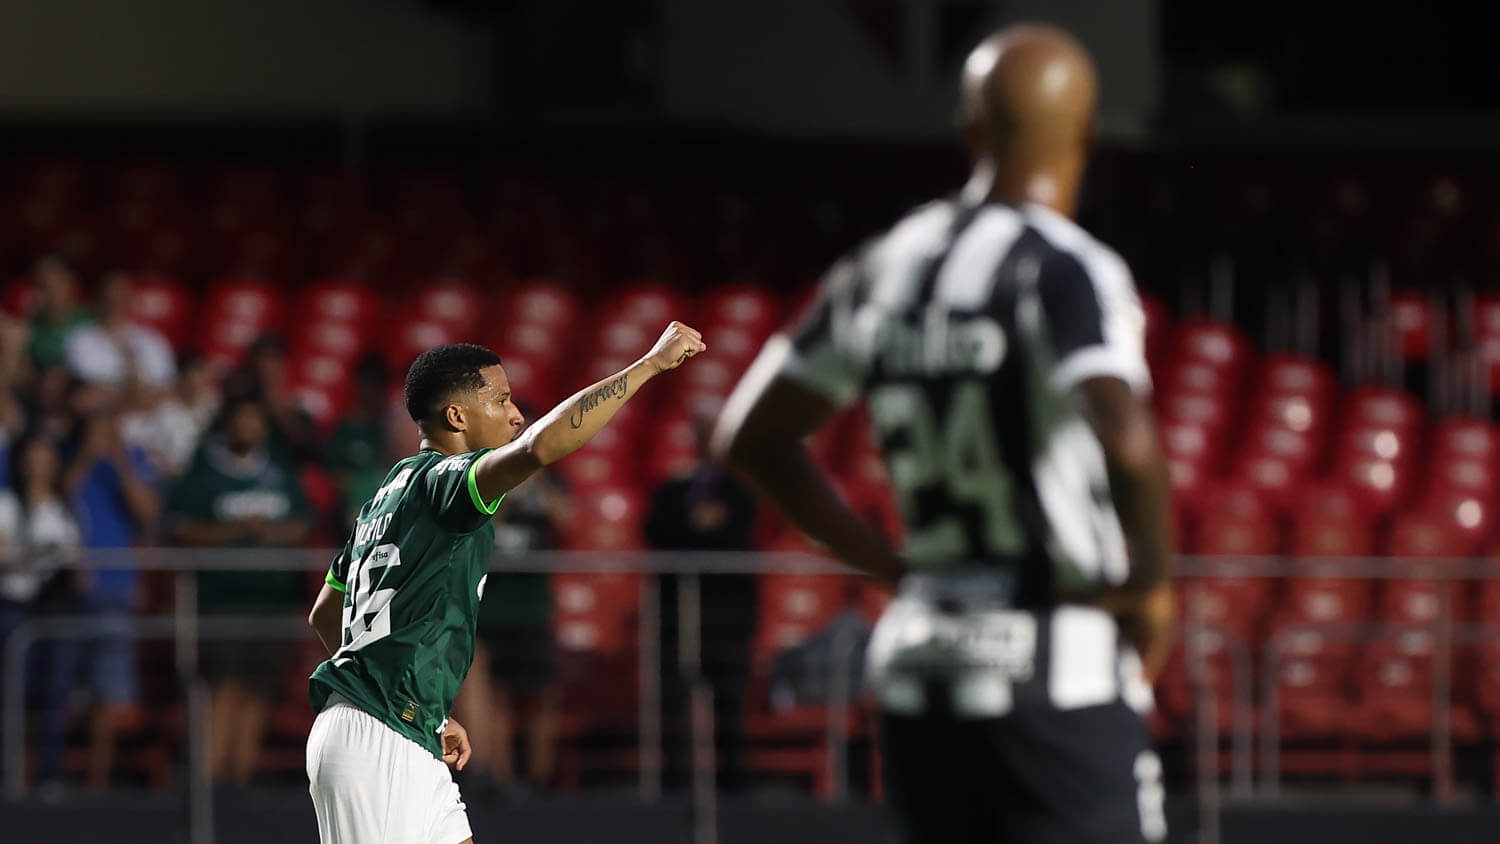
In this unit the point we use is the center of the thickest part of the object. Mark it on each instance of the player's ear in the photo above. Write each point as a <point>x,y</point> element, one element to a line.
<point>453,415</point>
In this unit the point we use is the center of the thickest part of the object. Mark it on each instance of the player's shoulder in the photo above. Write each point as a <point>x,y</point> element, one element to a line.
<point>439,468</point>
<point>916,228</point>
<point>1073,243</point>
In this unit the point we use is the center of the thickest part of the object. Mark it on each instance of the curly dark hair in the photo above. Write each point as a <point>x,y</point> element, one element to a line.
<point>440,372</point>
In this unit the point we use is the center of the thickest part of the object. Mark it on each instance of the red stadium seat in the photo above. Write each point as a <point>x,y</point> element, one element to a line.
<point>244,300</point>
<point>544,303</point>
<point>1412,319</point>
<point>1186,440</point>
<point>1486,315</point>
<point>649,304</point>
<point>1330,500</point>
<point>1466,475</point>
<point>674,449</point>
<point>1234,500</point>
<point>1380,442</point>
<point>1274,478</point>
<point>1396,699</point>
<point>331,338</point>
<point>1229,600</point>
<point>405,339</point>
<point>1295,412</point>
<point>626,338</point>
<point>455,304</point>
<point>339,301</point>
<point>1417,540</point>
<point>1425,536</point>
<point>1215,343</point>
<point>1298,450</point>
<point>1485,654</point>
<point>1468,516</point>
<point>1466,437</point>
<point>323,371</point>
<point>1384,407</point>
<point>1316,534</point>
<point>709,378</point>
<point>609,518</point>
<point>533,382</point>
<point>1188,480</point>
<point>1209,413</point>
<point>737,345</point>
<point>537,342</point>
<point>164,305</point>
<point>1291,375</point>
<point>1199,377</point>
<point>596,612</point>
<point>1380,484</point>
<point>600,464</point>
<point>741,305</point>
<point>1313,698</point>
<point>324,403</point>
<point>789,740</point>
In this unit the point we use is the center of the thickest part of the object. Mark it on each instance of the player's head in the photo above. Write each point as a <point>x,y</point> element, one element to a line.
<point>1027,101</point>
<point>245,424</point>
<point>460,392</point>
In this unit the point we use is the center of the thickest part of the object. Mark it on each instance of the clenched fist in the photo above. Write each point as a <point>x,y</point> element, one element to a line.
<point>678,343</point>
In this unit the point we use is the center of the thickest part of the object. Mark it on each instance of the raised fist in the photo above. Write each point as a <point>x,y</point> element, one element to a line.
<point>676,344</point>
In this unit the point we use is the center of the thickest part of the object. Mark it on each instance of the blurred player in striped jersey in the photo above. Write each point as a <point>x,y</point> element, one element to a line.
<point>1000,350</point>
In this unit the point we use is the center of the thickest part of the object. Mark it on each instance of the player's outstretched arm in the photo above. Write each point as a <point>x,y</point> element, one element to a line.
<point>574,422</point>
<point>760,434</point>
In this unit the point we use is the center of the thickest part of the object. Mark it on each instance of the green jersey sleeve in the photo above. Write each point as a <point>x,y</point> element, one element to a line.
<point>450,489</point>
<point>338,572</point>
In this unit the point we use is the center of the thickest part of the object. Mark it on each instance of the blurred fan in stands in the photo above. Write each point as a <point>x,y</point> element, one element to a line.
<point>709,509</point>
<point>169,428</point>
<point>513,673</point>
<point>57,310</point>
<point>38,536</point>
<point>263,376</point>
<point>240,492</point>
<point>112,490</point>
<point>118,352</point>
<point>357,449</point>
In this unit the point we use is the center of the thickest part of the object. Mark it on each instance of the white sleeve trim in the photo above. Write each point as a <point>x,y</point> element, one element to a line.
<point>1106,361</point>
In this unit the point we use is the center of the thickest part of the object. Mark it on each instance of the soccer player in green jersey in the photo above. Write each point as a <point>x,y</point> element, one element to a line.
<point>397,613</point>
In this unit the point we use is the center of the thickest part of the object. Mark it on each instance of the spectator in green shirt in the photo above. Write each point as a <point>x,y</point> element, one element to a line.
<point>238,493</point>
<point>57,311</point>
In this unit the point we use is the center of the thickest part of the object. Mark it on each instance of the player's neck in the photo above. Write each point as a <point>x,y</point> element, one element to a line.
<point>1055,186</point>
<point>442,445</point>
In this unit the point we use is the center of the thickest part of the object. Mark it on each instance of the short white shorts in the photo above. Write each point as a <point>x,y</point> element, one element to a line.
<point>371,785</point>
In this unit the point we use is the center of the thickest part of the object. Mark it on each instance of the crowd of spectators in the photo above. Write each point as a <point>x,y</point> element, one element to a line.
<point>112,439</point>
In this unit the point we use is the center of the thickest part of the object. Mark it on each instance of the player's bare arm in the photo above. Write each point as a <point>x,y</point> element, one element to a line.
<point>761,433</point>
<point>1138,483</point>
<point>326,617</point>
<point>574,422</point>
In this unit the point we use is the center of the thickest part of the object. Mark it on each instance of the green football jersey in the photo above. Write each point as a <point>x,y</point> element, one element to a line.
<point>412,574</point>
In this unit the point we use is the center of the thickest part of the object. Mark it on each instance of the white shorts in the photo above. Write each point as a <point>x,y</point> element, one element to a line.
<point>372,785</point>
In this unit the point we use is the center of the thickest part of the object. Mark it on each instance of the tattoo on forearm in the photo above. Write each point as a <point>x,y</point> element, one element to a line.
<point>613,390</point>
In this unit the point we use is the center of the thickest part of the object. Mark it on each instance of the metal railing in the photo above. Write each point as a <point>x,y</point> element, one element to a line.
<point>186,629</point>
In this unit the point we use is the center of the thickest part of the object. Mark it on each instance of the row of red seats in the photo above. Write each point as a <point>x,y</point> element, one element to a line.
<point>1249,445</point>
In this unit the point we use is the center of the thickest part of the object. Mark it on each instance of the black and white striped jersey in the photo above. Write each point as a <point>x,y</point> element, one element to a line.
<point>965,328</point>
